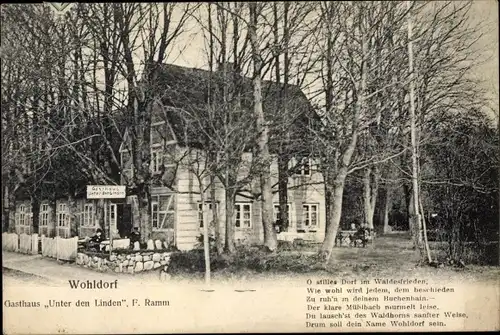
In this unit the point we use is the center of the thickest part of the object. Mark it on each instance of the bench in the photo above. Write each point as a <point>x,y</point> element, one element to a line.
<point>120,243</point>
<point>354,238</point>
<point>123,243</point>
<point>344,237</point>
<point>291,236</point>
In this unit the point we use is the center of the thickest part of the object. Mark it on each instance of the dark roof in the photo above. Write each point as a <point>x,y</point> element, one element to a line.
<point>63,175</point>
<point>187,89</point>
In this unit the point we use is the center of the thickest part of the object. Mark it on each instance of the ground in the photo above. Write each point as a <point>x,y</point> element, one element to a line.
<point>391,256</point>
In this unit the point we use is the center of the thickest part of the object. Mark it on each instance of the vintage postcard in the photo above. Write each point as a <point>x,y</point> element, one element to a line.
<point>216,167</point>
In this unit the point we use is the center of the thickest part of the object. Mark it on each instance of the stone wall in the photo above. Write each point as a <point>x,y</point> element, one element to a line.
<point>136,262</point>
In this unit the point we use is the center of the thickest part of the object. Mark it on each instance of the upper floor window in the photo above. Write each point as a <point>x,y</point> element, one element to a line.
<point>163,211</point>
<point>302,166</point>
<point>305,169</point>
<point>44,215</point>
<point>156,160</point>
<point>243,213</point>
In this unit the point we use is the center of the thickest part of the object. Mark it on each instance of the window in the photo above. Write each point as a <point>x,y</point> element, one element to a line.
<point>305,167</point>
<point>22,215</point>
<point>44,215</point>
<point>302,166</point>
<point>162,211</point>
<point>88,215</point>
<point>310,216</point>
<point>277,212</point>
<point>62,215</point>
<point>243,215</point>
<point>156,159</point>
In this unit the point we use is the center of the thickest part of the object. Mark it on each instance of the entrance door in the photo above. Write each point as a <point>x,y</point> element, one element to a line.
<point>124,219</point>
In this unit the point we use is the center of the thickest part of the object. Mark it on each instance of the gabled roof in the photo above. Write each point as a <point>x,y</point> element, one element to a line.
<point>186,89</point>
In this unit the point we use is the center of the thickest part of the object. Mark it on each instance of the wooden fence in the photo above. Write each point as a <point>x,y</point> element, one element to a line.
<point>60,248</point>
<point>28,244</point>
<point>10,242</point>
<point>23,243</point>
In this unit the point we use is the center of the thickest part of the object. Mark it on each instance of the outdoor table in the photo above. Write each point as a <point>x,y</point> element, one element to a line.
<point>104,245</point>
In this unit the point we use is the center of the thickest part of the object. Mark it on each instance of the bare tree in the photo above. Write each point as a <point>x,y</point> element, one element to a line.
<point>151,30</point>
<point>262,153</point>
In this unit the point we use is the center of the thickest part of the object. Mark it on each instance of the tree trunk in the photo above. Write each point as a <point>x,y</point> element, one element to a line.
<point>415,218</point>
<point>281,109</point>
<point>5,208</point>
<point>35,210</point>
<point>370,192</point>
<point>144,201</point>
<point>264,158</point>
<point>229,238</point>
<point>215,217</point>
<point>333,224</point>
<point>206,234</point>
<point>424,233</point>
<point>270,238</point>
<point>53,217</point>
<point>100,217</point>
<point>283,191</point>
<point>415,226</point>
<point>455,245</point>
<point>73,229</point>
<point>387,208</point>
<point>328,203</point>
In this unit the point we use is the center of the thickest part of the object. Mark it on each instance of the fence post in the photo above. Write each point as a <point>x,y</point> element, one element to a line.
<point>34,244</point>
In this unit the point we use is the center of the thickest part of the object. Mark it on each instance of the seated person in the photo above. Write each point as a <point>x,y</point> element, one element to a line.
<point>362,235</point>
<point>95,241</point>
<point>278,226</point>
<point>339,238</point>
<point>135,236</point>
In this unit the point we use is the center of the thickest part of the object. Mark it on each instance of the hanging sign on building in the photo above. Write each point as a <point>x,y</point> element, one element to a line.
<point>105,191</point>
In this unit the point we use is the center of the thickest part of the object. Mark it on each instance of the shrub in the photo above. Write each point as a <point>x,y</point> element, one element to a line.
<point>200,242</point>
<point>253,258</point>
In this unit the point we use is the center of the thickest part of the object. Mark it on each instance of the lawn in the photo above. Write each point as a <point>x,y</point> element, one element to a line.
<point>390,256</point>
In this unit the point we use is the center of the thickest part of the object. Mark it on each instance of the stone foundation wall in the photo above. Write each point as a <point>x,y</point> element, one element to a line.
<point>125,263</point>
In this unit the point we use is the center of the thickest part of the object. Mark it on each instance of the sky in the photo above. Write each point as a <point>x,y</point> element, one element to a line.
<point>486,12</point>
<point>190,49</point>
<point>192,53</point>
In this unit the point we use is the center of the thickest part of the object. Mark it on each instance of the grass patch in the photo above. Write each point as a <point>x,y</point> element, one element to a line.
<point>247,258</point>
<point>389,256</point>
